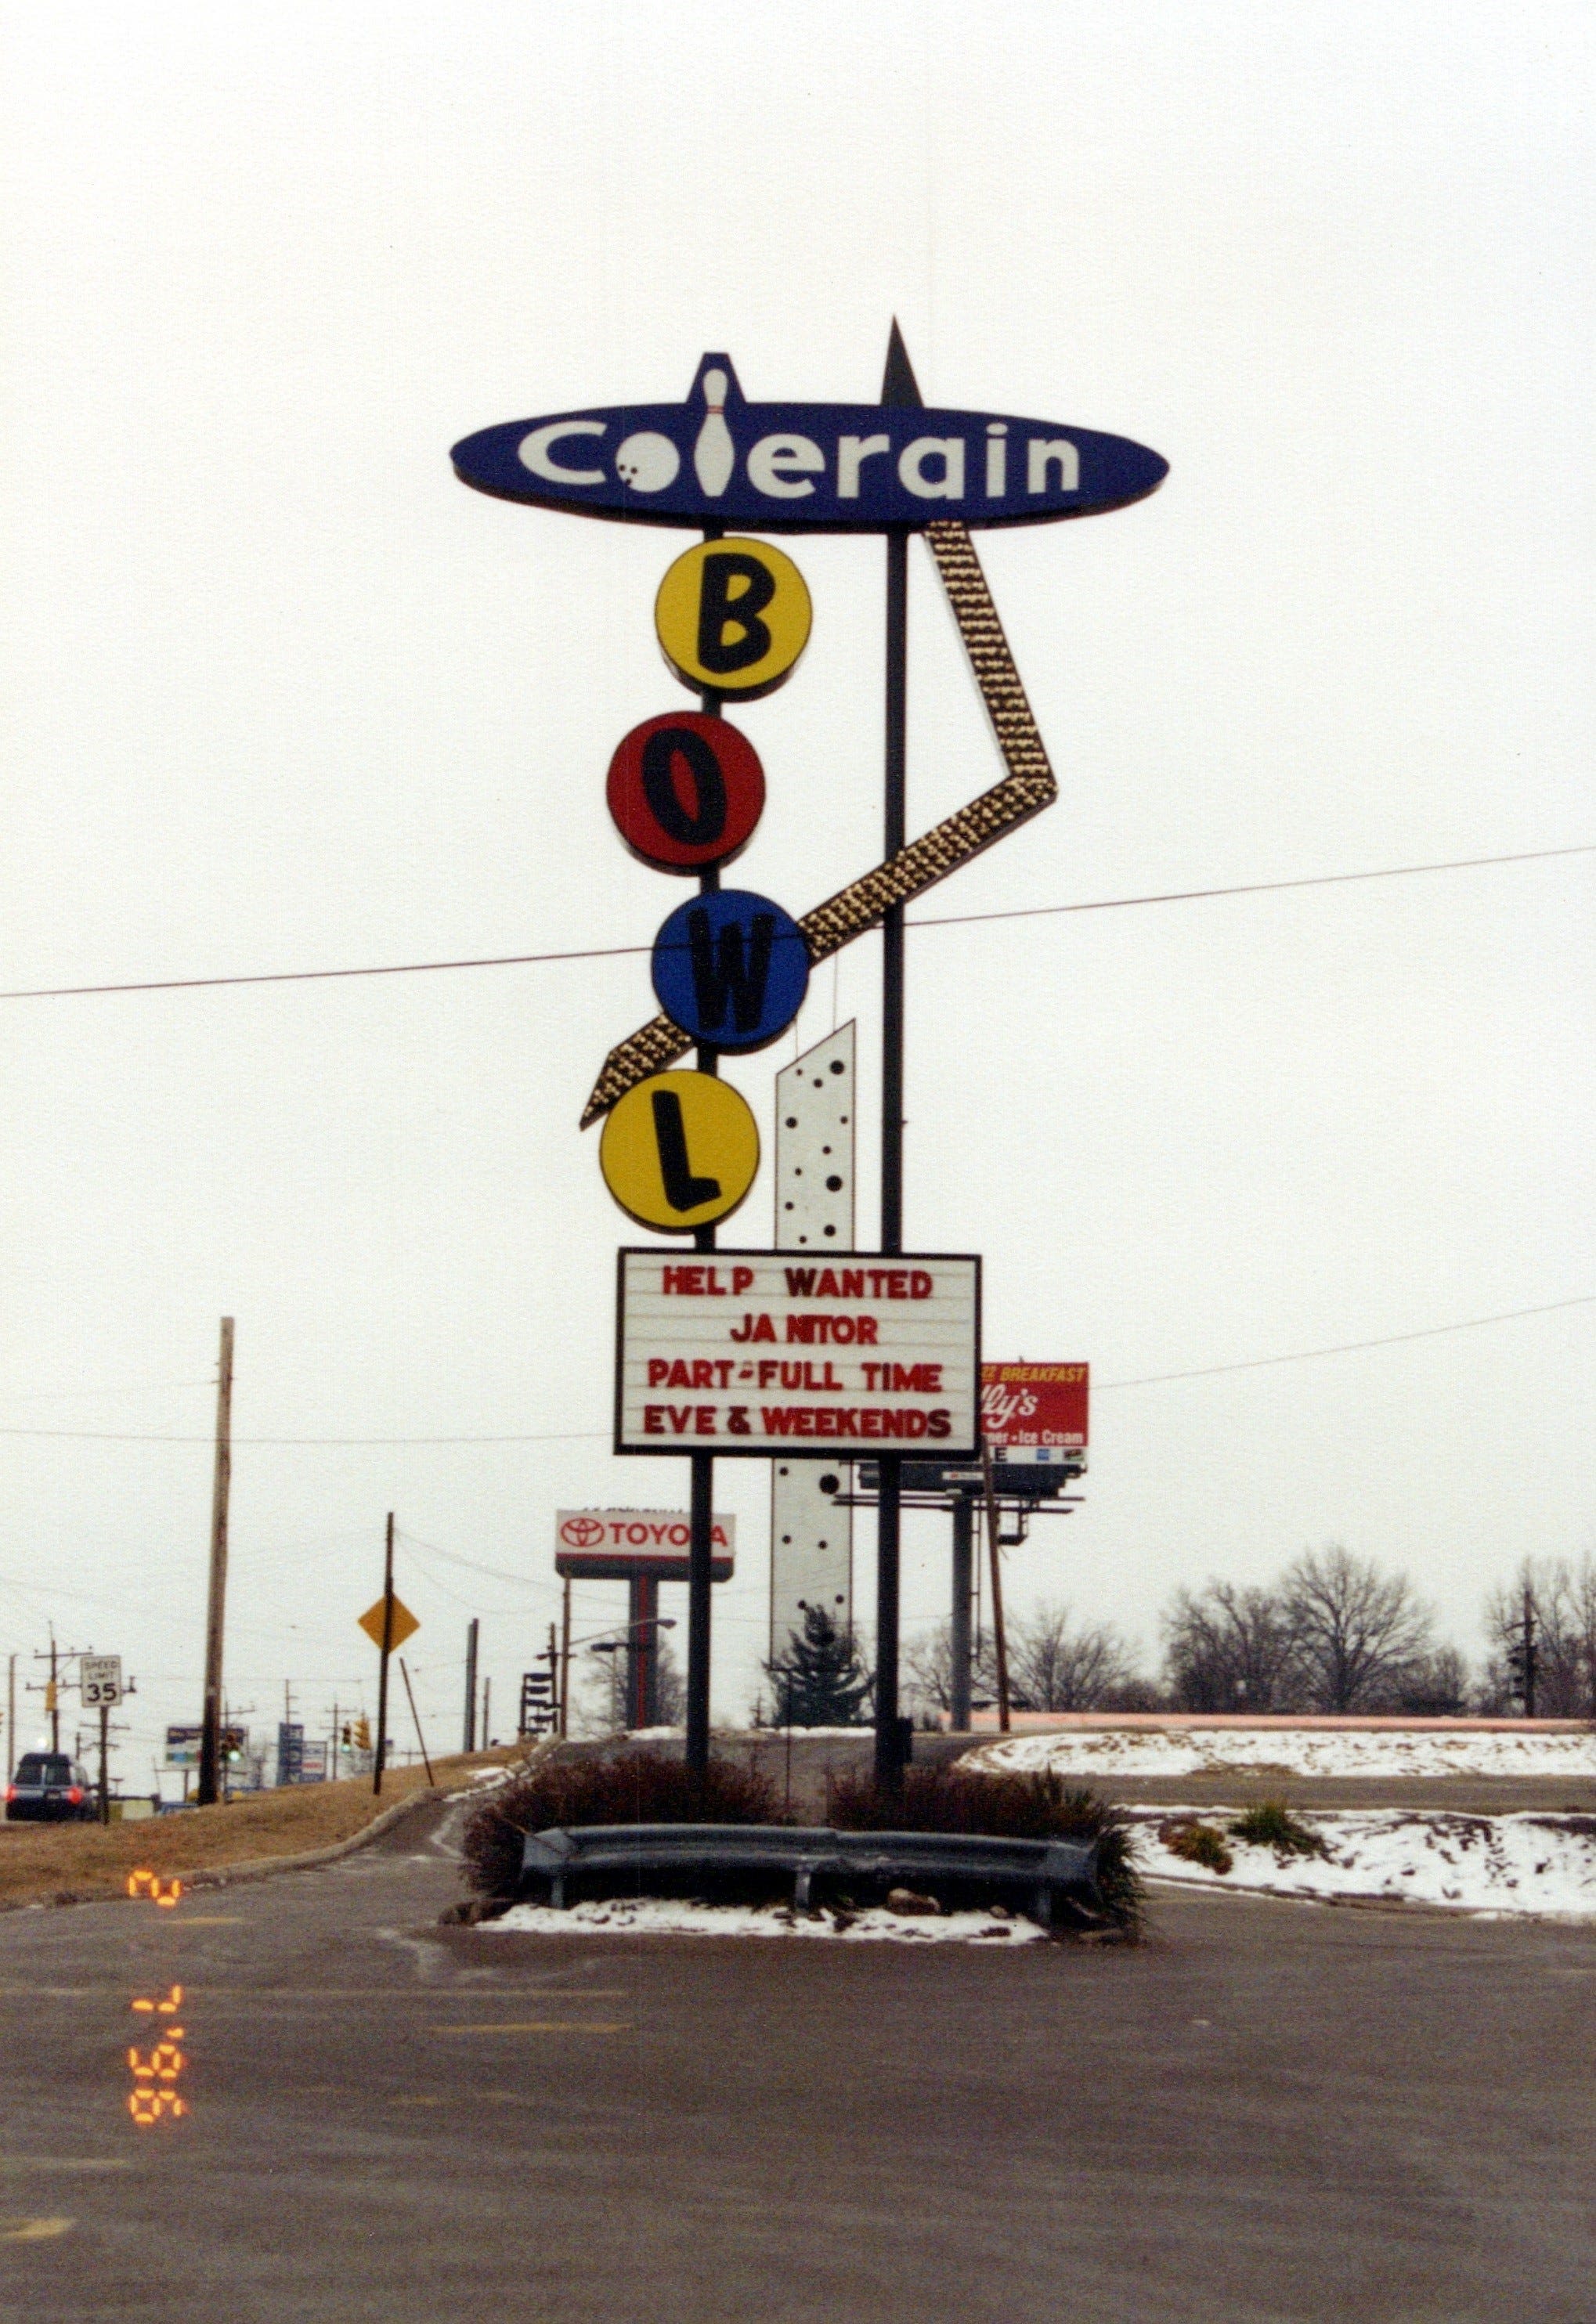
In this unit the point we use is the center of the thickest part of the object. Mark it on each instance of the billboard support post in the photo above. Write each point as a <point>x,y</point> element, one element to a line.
<point>701,1467</point>
<point>642,1650</point>
<point>958,1628</point>
<point>565,1661</point>
<point>898,388</point>
<point>994,1545</point>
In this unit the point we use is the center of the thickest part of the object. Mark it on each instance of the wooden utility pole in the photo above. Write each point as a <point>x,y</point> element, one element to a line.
<point>471,1635</point>
<point>210,1733</point>
<point>11,1753</point>
<point>387,1647</point>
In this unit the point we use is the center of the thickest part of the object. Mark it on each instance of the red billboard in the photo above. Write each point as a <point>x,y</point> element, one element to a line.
<point>1034,1412</point>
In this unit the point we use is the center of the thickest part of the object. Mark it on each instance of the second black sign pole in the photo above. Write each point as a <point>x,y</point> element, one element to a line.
<point>899,388</point>
<point>701,1497</point>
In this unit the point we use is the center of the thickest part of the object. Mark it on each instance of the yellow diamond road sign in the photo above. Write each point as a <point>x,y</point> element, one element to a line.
<point>401,1627</point>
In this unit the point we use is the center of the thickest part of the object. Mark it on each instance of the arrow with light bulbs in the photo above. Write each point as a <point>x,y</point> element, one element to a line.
<point>1029,787</point>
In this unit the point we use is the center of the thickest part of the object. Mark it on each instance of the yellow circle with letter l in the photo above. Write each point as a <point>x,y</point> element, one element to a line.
<point>732,616</point>
<point>679,1151</point>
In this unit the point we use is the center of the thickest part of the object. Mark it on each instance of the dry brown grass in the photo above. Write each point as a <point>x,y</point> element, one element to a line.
<point>44,1863</point>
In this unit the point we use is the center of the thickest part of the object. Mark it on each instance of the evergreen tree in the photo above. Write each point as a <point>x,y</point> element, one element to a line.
<point>820,1681</point>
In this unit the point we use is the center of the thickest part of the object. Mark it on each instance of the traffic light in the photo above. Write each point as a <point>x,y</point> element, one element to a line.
<point>362,1735</point>
<point>348,1736</point>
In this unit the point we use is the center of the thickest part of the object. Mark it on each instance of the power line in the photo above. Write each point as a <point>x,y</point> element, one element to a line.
<point>942,920</point>
<point>1347,1347</point>
<point>137,1437</point>
<point>1247,887</point>
<point>594,1435</point>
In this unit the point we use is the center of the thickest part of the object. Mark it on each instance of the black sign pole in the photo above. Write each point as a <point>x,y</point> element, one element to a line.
<point>701,1495</point>
<point>899,389</point>
<point>382,1666</point>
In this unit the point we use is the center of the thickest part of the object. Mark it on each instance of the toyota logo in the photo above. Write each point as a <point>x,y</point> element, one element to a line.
<point>582,1533</point>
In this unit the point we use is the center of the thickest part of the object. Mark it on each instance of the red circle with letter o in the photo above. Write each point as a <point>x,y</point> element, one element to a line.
<point>686,791</point>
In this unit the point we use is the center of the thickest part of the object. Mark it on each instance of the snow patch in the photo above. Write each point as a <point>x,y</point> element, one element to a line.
<point>1512,1867</point>
<point>1295,1751</point>
<point>654,1916</point>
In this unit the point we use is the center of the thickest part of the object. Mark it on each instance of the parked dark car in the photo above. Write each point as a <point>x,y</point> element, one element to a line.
<point>46,1788</point>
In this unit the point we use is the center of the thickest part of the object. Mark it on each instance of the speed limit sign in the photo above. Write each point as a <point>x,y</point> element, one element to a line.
<point>99,1681</point>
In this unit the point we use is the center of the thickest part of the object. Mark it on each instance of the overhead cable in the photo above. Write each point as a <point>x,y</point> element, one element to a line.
<point>593,1435</point>
<point>938,920</point>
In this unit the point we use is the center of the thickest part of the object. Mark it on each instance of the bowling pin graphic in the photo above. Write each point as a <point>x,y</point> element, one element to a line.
<point>714,455</point>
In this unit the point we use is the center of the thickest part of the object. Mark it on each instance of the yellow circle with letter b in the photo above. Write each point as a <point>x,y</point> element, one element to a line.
<point>679,1151</point>
<point>732,616</point>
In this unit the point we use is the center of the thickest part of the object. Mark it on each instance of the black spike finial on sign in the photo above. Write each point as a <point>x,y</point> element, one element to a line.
<point>899,384</point>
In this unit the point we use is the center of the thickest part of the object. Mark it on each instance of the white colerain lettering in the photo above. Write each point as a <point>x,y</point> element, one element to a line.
<point>850,450</point>
<point>535,451</point>
<point>911,472</point>
<point>778,464</point>
<point>1038,456</point>
<point>997,459</point>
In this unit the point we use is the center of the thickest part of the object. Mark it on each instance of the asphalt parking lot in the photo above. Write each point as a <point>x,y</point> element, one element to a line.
<point>1265,2113</point>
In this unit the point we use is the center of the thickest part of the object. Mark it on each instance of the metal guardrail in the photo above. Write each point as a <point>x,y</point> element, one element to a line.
<point>639,1859</point>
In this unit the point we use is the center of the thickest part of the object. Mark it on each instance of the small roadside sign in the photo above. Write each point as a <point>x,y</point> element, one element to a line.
<point>403,1626</point>
<point>99,1679</point>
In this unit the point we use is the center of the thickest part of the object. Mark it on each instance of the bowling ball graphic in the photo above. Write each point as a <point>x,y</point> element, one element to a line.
<point>648,462</point>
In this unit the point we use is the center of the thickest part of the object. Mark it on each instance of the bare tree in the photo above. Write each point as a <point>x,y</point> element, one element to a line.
<point>601,1705</point>
<point>1230,1649</point>
<point>1356,1633</point>
<point>1562,1602</point>
<point>1054,1667</point>
<point>1436,1686</point>
<point>926,1669</point>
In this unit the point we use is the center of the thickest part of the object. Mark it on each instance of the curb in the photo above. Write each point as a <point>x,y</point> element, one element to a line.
<point>259,1868</point>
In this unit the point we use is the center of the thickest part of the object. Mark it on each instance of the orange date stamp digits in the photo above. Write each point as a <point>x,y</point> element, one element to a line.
<point>153,2095</point>
<point>150,1884</point>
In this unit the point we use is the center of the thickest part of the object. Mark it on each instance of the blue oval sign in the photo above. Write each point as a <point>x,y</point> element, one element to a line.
<point>717,460</point>
<point>731,968</point>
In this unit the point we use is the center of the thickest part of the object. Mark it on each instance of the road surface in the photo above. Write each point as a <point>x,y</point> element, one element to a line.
<point>1269,2113</point>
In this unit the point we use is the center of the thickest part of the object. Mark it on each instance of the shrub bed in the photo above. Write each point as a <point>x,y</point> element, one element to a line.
<point>1271,1824</point>
<point>1197,1843</point>
<point>646,1787</point>
<point>1000,1807</point>
<point>636,1787</point>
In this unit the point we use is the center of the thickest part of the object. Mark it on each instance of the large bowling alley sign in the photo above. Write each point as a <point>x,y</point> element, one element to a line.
<point>718,459</point>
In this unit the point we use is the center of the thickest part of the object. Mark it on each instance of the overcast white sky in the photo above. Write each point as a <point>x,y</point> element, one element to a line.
<point>280,694</point>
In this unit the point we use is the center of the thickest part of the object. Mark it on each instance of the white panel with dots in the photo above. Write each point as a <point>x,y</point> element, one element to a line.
<point>811,1537</point>
<point>815,1146</point>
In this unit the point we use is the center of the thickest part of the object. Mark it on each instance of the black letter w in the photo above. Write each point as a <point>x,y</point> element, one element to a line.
<point>714,979</point>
